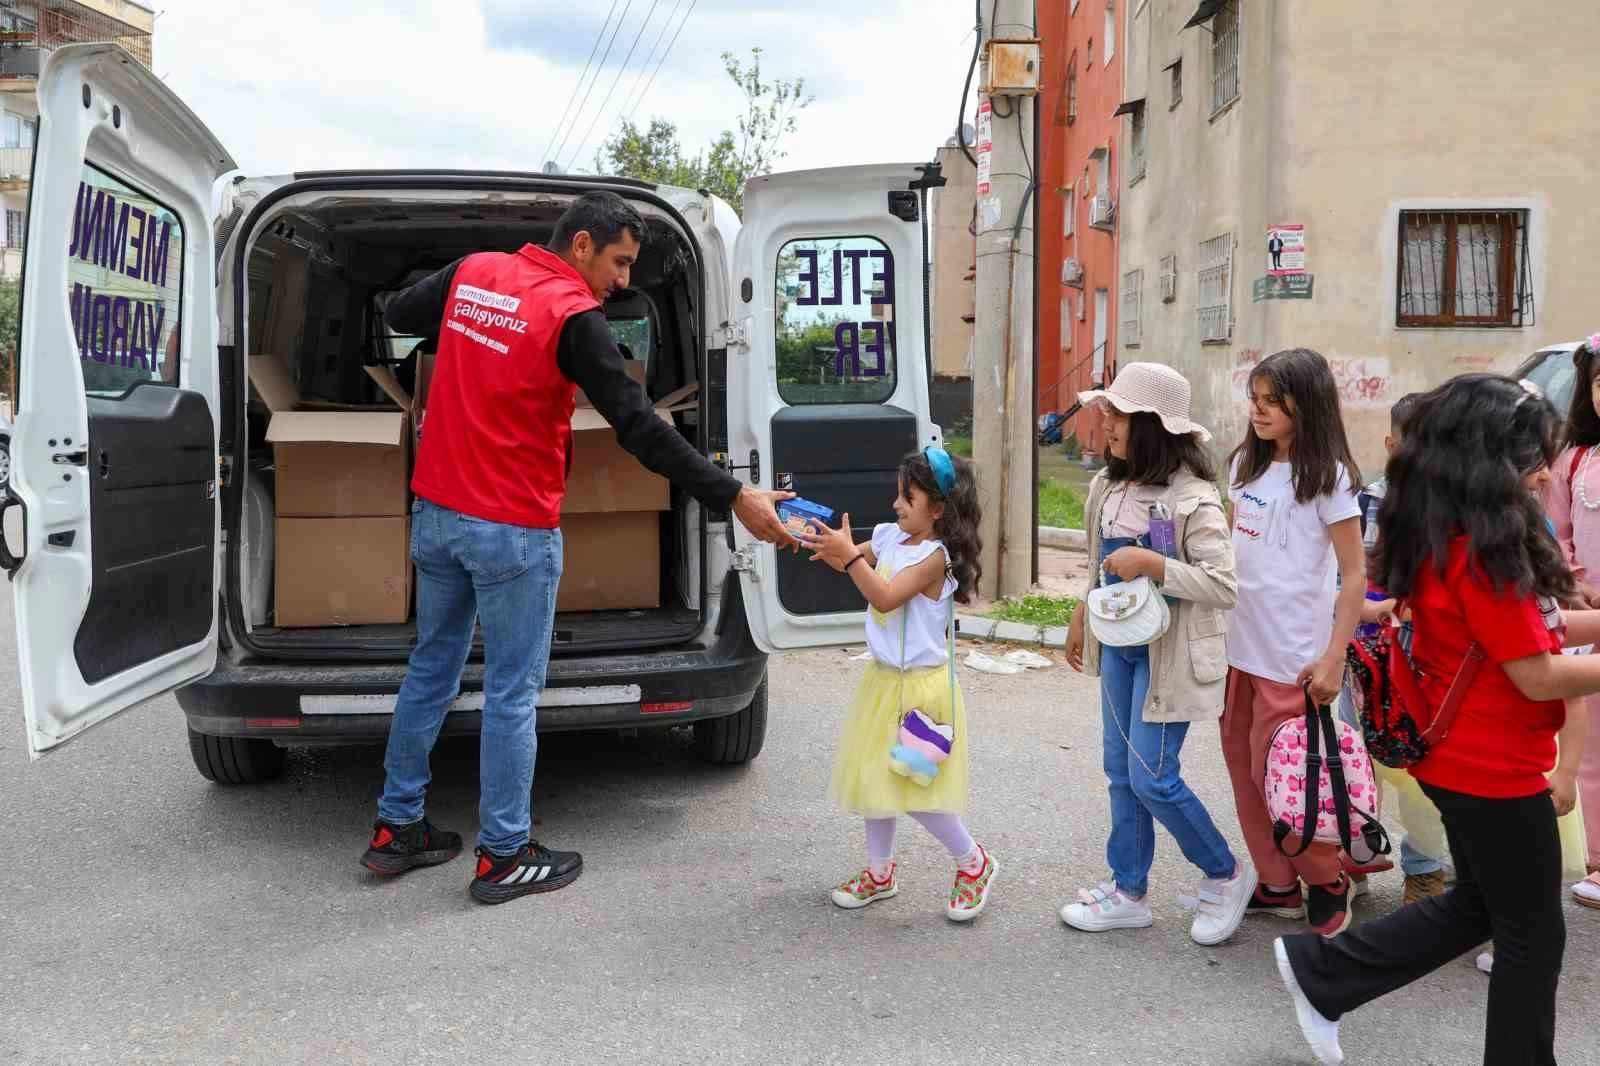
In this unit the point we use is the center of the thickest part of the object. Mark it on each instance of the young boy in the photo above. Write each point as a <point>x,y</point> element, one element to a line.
<point>1423,847</point>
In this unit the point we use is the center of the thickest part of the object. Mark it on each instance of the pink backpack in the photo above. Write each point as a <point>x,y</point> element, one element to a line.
<point>1319,763</point>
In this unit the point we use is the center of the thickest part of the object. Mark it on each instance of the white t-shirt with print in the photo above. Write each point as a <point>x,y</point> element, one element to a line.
<point>1287,573</point>
<point>925,619</point>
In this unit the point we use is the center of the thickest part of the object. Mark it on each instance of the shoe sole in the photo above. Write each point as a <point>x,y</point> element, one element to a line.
<point>1144,921</point>
<point>1349,916</point>
<point>1302,1005</point>
<point>983,901</point>
<point>847,902</point>
<point>1236,919</point>
<point>1592,904</point>
<point>1277,912</point>
<point>484,892</point>
<point>387,864</point>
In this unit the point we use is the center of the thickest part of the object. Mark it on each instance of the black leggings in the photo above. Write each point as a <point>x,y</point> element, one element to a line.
<point>1507,855</point>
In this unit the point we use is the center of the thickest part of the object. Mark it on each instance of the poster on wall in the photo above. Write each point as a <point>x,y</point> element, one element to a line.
<point>985,145</point>
<point>1286,250</point>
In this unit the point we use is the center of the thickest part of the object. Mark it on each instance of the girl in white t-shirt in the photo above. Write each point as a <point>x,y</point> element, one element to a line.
<point>1295,516</point>
<point>909,572</point>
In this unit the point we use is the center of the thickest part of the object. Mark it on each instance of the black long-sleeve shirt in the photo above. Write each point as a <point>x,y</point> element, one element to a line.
<point>588,356</point>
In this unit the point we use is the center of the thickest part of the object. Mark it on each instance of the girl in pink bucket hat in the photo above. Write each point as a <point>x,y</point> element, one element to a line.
<point>1154,515</point>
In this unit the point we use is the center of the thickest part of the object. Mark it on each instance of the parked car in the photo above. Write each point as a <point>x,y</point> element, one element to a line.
<point>147,563</point>
<point>1551,369</point>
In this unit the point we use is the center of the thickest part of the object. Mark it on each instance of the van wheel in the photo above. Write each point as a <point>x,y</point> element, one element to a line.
<point>737,738</point>
<point>235,760</point>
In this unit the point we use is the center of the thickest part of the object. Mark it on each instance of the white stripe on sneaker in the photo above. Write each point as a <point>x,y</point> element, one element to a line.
<point>544,872</point>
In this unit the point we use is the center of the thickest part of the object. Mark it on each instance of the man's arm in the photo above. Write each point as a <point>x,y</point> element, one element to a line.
<point>418,310</point>
<point>588,356</point>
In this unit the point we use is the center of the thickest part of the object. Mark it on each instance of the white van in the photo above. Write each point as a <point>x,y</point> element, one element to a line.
<point>143,478</point>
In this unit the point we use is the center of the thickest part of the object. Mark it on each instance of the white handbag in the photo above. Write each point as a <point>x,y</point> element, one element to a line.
<point>1128,614</point>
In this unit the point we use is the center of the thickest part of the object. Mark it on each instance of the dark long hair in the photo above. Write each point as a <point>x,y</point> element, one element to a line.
<point>1155,456</point>
<point>1583,422</point>
<point>1460,469</point>
<point>1302,382</point>
<point>958,526</point>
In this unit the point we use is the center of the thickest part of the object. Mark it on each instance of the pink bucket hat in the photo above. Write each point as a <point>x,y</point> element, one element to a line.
<point>1154,389</point>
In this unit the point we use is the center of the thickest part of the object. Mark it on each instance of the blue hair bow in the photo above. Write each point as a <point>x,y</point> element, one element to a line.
<point>944,469</point>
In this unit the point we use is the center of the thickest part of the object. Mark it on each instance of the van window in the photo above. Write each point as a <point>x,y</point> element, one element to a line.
<point>634,333</point>
<point>124,285</point>
<point>835,324</point>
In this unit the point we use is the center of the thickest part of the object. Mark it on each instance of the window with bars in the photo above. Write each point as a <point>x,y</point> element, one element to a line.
<point>1132,307</point>
<point>1215,305</point>
<point>16,228</point>
<point>1138,144</point>
<point>1169,278</point>
<point>1464,269</point>
<point>1225,56</point>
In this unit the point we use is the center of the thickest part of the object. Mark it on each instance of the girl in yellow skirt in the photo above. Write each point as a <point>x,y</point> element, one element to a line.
<point>892,761</point>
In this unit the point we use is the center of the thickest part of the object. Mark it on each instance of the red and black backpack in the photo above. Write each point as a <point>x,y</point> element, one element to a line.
<point>1386,687</point>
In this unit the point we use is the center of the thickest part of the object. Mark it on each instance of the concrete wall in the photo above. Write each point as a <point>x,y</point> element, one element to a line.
<point>952,258</point>
<point>1340,131</point>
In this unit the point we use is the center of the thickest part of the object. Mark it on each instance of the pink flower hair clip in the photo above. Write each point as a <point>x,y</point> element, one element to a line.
<point>1593,343</point>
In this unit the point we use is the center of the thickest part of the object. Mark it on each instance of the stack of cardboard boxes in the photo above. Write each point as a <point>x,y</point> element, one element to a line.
<point>343,506</point>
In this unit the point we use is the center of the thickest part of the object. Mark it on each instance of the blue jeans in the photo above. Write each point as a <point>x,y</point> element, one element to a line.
<point>503,577</point>
<point>1145,775</point>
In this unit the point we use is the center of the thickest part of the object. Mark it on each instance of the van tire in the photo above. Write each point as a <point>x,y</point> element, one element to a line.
<point>736,738</point>
<point>235,760</point>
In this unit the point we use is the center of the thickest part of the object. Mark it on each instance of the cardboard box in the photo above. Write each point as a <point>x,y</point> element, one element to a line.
<point>336,461</point>
<point>607,478</point>
<point>343,571</point>
<point>612,562</point>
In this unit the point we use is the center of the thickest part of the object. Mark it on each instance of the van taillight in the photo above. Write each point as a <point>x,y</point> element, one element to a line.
<point>272,723</point>
<point>663,708</point>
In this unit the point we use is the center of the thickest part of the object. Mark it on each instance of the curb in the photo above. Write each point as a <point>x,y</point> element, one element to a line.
<point>1070,539</point>
<point>976,627</point>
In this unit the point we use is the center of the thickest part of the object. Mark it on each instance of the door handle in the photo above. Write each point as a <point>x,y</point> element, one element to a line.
<point>80,458</point>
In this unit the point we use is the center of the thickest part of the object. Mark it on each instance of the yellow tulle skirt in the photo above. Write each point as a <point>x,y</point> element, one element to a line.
<point>862,781</point>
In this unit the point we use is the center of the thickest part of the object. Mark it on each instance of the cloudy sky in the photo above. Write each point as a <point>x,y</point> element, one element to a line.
<point>302,84</point>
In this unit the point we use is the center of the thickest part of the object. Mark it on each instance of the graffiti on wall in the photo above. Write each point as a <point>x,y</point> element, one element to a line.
<point>1362,382</point>
<point>1244,361</point>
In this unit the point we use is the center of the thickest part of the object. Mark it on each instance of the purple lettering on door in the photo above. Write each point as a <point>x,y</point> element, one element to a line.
<point>806,295</point>
<point>885,275</point>
<point>874,348</point>
<point>847,339</point>
<point>837,298</point>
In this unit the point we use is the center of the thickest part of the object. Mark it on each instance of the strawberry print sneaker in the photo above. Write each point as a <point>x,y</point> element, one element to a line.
<point>970,892</point>
<point>863,889</point>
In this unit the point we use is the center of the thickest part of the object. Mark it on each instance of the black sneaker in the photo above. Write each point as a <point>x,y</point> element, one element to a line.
<point>1290,904</point>
<point>1328,907</point>
<point>533,869</point>
<point>398,848</point>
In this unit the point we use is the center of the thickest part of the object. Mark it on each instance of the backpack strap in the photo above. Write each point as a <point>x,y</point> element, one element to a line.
<point>1572,471</point>
<point>1446,715</point>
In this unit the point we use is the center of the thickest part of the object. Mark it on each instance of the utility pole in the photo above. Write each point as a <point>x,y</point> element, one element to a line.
<point>1002,352</point>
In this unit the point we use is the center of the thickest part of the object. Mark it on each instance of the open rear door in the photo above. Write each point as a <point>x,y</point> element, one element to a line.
<point>827,376</point>
<point>112,516</point>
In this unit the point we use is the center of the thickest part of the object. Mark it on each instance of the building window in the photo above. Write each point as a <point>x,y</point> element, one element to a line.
<point>1215,307</point>
<point>1132,307</point>
<point>1464,269</point>
<point>16,228</point>
<point>1066,323</point>
<point>1088,52</point>
<point>1074,7</point>
<point>1225,56</point>
<point>1072,90</point>
<point>1176,71</point>
<point>1111,31</point>
<point>1138,134</point>
<point>1069,226</point>
<point>1169,278</point>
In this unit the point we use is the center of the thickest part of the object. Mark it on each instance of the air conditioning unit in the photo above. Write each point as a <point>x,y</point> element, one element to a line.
<point>1072,274</point>
<point>1101,211</point>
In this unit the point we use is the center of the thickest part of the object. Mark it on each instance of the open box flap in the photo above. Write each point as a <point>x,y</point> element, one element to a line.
<point>338,427</point>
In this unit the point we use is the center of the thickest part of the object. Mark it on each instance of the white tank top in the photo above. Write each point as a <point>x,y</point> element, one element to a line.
<point>924,618</point>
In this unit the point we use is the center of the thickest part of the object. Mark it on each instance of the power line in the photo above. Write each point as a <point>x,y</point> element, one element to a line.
<point>567,110</point>
<point>597,70</point>
<point>663,59</point>
<point>638,79</point>
<point>576,152</point>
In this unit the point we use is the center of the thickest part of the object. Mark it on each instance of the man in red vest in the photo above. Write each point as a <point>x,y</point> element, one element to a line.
<point>517,332</point>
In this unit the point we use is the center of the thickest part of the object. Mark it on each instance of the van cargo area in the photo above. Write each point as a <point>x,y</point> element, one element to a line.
<point>338,404</point>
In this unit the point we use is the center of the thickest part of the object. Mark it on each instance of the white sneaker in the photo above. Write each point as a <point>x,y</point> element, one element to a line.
<point>1485,961</point>
<point>1320,1033</point>
<point>1105,907</point>
<point>1586,893</point>
<point>1220,905</point>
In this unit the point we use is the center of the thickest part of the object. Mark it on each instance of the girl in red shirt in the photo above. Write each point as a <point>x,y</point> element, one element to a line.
<point>1463,541</point>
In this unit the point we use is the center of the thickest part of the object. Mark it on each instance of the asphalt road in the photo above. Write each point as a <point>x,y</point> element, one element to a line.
<point>148,916</point>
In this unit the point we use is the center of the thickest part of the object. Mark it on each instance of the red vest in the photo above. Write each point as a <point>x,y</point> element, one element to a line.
<point>498,426</point>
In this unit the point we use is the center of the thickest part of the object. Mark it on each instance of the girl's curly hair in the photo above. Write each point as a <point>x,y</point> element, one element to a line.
<point>958,526</point>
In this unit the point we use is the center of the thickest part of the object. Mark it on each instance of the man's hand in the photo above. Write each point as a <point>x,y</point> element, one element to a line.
<point>1325,676</point>
<point>836,547</point>
<point>757,511</point>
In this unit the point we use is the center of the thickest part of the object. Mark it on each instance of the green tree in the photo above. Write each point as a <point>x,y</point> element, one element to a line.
<point>10,312</point>
<point>653,153</point>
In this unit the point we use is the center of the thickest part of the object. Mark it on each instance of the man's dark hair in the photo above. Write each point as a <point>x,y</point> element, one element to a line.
<point>604,215</point>
<point>1401,412</point>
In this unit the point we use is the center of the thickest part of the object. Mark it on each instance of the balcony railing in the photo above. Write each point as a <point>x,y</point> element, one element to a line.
<point>16,164</point>
<point>33,23</point>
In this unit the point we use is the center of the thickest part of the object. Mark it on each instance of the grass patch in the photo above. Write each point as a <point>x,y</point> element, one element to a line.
<point>1060,506</point>
<point>1045,611</point>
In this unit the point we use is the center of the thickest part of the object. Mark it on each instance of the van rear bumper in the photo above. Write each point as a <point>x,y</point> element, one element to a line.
<point>353,702</point>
